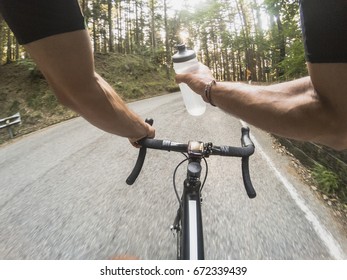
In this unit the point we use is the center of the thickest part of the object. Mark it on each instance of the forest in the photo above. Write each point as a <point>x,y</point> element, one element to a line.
<point>239,39</point>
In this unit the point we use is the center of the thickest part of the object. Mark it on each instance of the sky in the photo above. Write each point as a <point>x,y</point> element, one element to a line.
<point>179,4</point>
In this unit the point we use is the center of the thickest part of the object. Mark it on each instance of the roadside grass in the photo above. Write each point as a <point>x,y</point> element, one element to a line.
<point>23,89</point>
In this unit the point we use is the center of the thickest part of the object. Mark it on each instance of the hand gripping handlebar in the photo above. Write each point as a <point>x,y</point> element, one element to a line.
<point>245,151</point>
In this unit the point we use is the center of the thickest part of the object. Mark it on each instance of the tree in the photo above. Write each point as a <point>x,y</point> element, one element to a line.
<point>110,25</point>
<point>167,47</point>
<point>152,8</point>
<point>229,35</point>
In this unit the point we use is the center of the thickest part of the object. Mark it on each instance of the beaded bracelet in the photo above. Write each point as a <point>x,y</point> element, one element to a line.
<point>208,91</point>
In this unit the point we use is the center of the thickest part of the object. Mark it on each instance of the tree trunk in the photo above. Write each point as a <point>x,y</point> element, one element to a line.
<point>167,46</point>
<point>110,26</point>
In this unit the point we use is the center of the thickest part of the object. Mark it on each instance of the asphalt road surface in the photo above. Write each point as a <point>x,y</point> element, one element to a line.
<point>63,195</point>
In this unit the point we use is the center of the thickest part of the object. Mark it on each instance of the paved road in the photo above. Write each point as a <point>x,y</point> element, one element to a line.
<point>63,195</point>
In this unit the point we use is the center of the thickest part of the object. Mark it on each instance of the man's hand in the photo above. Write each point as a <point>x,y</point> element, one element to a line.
<point>197,79</point>
<point>150,133</point>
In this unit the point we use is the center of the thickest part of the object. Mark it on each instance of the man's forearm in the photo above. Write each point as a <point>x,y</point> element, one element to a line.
<point>67,62</point>
<point>291,109</point>
<point>309,109</point>
<point>102,107</point>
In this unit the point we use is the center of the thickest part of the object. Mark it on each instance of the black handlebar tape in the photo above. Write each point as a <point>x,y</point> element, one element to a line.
<point>247,179</point>
<point>165,145</point>
<point>154,143</point>
<point>233,151</point>
<point>149,121</point>
<point>247,142</point>
<point>140,160</point>
<point>246,150</point>
<point>138,166</point>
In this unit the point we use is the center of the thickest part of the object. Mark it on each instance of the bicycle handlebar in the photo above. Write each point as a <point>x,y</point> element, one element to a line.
<point>245,151</point>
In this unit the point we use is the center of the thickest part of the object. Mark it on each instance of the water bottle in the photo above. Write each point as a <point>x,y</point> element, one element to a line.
<point>185,61</point>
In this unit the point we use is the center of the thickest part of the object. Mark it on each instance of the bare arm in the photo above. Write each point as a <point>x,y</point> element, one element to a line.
<point>66,60</point>
<point>307,109</point>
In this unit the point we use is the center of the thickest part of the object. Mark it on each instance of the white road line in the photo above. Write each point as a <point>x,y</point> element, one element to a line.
<point>327,238</point>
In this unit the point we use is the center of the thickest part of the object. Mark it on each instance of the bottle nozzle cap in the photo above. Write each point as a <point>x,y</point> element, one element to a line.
<point>181,48</point>
<point>183,54</point>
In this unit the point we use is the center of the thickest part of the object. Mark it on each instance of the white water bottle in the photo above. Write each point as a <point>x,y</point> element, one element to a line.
<point>185,61</point>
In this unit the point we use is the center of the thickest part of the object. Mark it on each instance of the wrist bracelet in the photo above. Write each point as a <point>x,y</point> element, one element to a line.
<point>208,88</point>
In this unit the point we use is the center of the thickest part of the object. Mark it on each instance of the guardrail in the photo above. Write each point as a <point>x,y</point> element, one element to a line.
<point>9,122</point>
